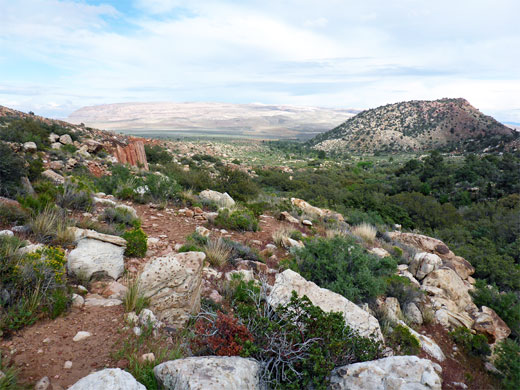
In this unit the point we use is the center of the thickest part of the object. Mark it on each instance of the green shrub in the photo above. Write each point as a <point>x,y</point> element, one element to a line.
<point>341,265</point>
<point>12,169</point>
<point>237,184</point>
<point>241,220</point>
<point>190,248</point>
<point>136,242</point>
<point>156,154</point>
<point>239,250</point>
<point>10,379</point>
<point>403,341</point>
<point>296,235</point>
<point>12,214</point>
<point>473,344</point>
<point>51,226</point>
<point>508,362</point>
<point>297,343</point>
<point>69,148</point>
<point>401,288</point>
<point>119,215</point>
<point>75,197</point>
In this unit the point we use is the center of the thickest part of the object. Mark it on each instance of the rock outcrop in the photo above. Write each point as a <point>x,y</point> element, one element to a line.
<point>173,285</point>
<point>491,325</point>
<point>209,373</point>
<point>423,263</point>
<point>316,211</point>
<point>355,317</point>
<point>93,256</point>
<point>220,199</point>
<point>108,379</point>
<point>133,154</point>
<point>395,373</point>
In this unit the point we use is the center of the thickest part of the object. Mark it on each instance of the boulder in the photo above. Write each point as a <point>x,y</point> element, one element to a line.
<point>94,256</point>
<point>56,165</point>
<point>65,139</point>
<point>491,325</point>
<point>392,309</point>
<point>391,373</point>
<point>173,285</point>
<point>316,211</point>
<point>30,147</point>
<point>285,216</point>
<point>355,317</point>
<point>56,178</point>
<point>99,301</point>
<point>54,137</point>
<point>6,233</point>
<point>448,291</point>
<point>92,234</point>
<point>423,263</point>
<point>379,252</point>
<point>221,199</point>
<point>55,145</point>
<point>108,379</point>
<point>133,154</point>
<point>209,373</point>
<point>412,312</point>
<point>202,231</point>
<point>288,243</point>
<point>460,265</point>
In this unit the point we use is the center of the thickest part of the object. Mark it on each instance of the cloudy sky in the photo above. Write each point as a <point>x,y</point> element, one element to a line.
<point>59,55</point>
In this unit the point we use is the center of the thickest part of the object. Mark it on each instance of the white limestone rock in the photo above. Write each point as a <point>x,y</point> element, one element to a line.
<point>108,379</point>
<point>94,256</point>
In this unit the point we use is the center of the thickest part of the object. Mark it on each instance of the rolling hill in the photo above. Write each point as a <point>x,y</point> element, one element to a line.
<point>447,124</point>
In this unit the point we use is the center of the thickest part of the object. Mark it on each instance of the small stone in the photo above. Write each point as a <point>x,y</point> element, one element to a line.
<point>82,289</point>
<point>77,300</point>
<point>65,139</point>
<point>46,340</point>
<point>137,331</point>
<point>43,384</point>
<point>30,147</point>
<point>6,233</point>
<point>306,222</point>
<point>81,335</point>
<point>67,365</point>
<point>148,357</point>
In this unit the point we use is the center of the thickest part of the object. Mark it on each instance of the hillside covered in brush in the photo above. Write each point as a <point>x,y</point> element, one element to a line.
<point>448,124</point>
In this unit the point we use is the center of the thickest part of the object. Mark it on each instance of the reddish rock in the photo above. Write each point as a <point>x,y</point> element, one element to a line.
<point>491,325</point>
<point>132,154</point>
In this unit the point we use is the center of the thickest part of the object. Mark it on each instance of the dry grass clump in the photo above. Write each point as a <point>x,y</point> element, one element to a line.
<point>134,300</point>
<point>281,235</point>
<point>51,226</point>
<point>217,252</point>
<point>365,231</point>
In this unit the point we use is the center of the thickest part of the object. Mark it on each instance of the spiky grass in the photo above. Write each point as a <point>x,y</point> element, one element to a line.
<point>134,299</point>
<point>217,252</point>
<point>365,231</point>
<point>280,236</point>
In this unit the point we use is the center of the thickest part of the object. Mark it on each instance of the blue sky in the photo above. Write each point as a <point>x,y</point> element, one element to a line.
<point>57,56</point>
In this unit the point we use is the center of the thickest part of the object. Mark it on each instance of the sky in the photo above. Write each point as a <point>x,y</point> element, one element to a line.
<point>57,56</point>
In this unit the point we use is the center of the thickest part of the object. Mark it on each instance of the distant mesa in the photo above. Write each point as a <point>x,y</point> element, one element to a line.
<point>259,121</point>
<point>446,124</point>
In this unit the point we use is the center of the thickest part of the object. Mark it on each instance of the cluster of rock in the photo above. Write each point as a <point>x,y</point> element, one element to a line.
<point>133,154</point>
<point>446,279</point>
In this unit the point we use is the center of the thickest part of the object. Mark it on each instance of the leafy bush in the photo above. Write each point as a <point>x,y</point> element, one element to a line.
<point>75,197</point>
<point>508,362</point>
<point>136,242</point>
<point>12,169</point>
<point>119,215</point>
<point>156,154</point>
<point>402,341</point>
<point>239,250</point>
<point>237,184</point>
<point>401,288</point>
<point>341,265</point>
<point>241,220</point>
<point>473,344</point>
<point>12,214</point>
<point>298,344</point>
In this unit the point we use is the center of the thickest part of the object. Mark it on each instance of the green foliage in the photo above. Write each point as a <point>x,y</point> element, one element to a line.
<point>30,130</point>
<point>341,265</point>
<point>508,362</point>
<point>401,288</point>
<point>12,169</point>
<point>237,184</point>
<point>134,299</point>
<point>119,215</point>
<point>75,196</point>
<point>69,148</point>
<point>136,242</point>
<point>12,214</point>
<point>156,154</point>
<point>298,343</point>
<point>239,219</point>
<point>506,305</point>
<point>10,379</point>
<point>403,341</point>
<point>473,344</point>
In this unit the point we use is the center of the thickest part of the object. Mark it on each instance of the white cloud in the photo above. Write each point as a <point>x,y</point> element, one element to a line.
<point>334,52</point>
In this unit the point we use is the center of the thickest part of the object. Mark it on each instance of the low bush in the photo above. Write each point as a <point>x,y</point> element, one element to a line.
<point>136,242</point>
<point>508,362</point>
<point>343,266</point>
<point>241,251</point>
<point>12,214</point>
<point>51,226</point>
<point>12,169</point>
<point>401,288</point>
<point>156,154</point>
<point>473,344</point>
<point>119,215</point>
<point>402,341</point>
<point>75,197</point>
<point>241,220</point>
<point>297,344</point>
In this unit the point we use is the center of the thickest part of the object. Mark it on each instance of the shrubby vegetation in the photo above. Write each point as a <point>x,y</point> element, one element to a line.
<point>297,343</point>
<point>238,219</point>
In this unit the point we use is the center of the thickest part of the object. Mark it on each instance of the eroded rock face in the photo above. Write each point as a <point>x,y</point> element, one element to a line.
<point>490,324</point>
<point>133,154</point>
<point>209,373</point>
<point>423,263</point>
<point>108,379</point>
<point>355,317</point>
<point>173,284</point>
<point>395,373</point>
<point>221,199</point>
<point>93,256</point>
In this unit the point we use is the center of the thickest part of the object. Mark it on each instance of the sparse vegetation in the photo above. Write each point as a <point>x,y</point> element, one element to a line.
<point>366,231</point>
<point>134,300</point>
<point>217,252</point>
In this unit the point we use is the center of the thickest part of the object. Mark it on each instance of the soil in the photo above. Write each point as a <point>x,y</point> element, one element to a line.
<point>36,358</point>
